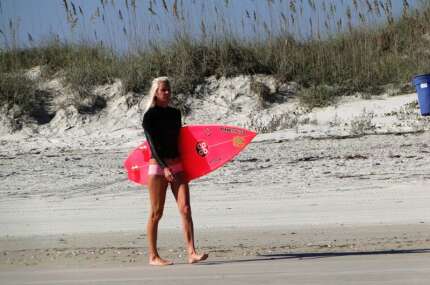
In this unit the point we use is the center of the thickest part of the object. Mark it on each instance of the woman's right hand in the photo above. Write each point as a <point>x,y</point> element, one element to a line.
<point>168,175</point>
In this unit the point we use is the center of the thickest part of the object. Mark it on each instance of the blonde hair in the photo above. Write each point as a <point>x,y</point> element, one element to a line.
<point>153,90</point>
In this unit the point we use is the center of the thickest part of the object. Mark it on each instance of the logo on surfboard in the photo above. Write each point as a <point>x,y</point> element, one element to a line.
<point>202,148</point>
<point>238,142</point>
<point>234,131</point>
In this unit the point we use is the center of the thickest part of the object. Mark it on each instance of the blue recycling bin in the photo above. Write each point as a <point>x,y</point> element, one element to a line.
<point>422,85</point>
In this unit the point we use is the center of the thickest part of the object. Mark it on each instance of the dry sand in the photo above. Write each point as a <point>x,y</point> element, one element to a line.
<point>354,177</point>
<point>74,207</point>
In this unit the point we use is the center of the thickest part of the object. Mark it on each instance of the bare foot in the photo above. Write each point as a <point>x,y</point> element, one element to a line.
<point>194,258</point>
<point>158,261</point>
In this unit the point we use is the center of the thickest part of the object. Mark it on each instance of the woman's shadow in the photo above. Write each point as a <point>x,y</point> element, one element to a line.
<point>301,256</point>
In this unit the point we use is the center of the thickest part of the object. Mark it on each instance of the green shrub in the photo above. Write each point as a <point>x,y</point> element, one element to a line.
<point>87,67</point>
<point>318,96</point>
<point>17,89</point>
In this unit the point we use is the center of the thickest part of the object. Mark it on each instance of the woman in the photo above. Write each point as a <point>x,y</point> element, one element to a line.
<point>162,124</point>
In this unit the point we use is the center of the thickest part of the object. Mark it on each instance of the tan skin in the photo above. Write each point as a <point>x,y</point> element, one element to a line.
<point>157,192</point>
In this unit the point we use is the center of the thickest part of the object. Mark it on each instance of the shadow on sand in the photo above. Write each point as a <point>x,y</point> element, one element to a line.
<point>281,256</point>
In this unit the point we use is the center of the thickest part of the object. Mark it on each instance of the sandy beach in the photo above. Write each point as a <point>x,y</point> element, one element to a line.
<point>74,207</point>
<point>334,188</point>
<point>348,181</point>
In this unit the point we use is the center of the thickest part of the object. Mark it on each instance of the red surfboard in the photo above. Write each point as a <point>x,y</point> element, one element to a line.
<point>203,149</point>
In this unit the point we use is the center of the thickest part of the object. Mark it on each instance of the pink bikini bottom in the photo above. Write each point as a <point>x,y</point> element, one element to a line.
<point>155,169</point>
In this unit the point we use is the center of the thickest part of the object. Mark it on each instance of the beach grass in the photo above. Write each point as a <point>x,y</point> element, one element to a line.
<point>352,58</point>
<point>17,89</point>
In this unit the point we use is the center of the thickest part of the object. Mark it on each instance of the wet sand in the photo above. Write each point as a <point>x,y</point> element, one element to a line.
<point>397,267</point>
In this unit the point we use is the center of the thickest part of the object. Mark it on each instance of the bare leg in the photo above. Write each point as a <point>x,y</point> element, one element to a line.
<point>157,193</point>
<point>182,196</point>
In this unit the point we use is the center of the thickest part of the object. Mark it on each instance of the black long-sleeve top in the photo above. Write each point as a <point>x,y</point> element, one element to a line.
<point>161,126</point>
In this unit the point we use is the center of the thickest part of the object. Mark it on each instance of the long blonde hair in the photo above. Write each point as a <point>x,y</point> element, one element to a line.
<point>153,91</point>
